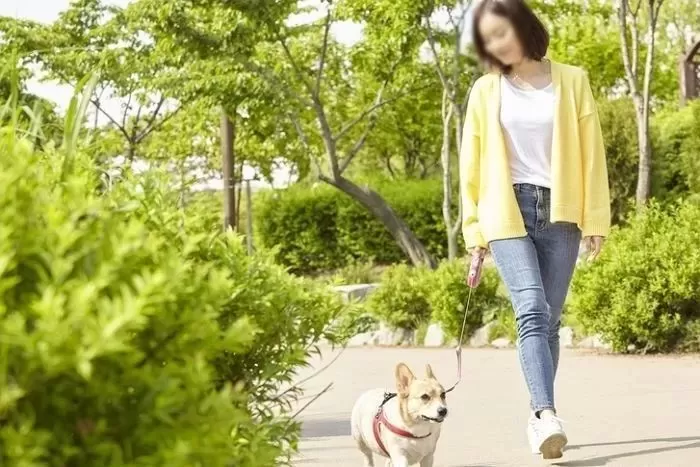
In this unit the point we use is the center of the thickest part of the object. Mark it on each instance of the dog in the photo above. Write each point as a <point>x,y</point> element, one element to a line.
<point>403,427</point>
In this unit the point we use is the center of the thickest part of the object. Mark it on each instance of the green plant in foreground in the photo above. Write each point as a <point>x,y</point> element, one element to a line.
<point>127,330</point>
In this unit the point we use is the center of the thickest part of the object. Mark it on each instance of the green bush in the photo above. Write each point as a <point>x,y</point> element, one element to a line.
<point>448,295</point>
<point>356,272</point>
<point>619,124</point>
<point>401,298</point>
<point>676,145</point>
<point>130,335</point>
<point>321,229</point>
<point>409,297</point>
<point>645,288</point>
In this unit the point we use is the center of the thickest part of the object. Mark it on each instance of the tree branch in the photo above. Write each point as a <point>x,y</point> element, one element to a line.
<point>126,109</point>
<point>438,67</point>
<point>155,113</point>
<point>323,391</point>
<point>324,50</point>
<point>293,63</point>
<point>358,144</point>
<point>121,129</point>
<point>152,127</point>
<point>629,72</point>
<point>374,107</point>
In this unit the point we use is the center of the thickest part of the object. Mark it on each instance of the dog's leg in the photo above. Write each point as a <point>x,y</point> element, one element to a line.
<point>367,452</point>
<point>397,460</point>
<point>427,461</point>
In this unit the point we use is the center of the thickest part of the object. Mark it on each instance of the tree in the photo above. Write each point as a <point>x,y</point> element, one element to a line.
<point>586,35</point>
<point>91,35</point>
<point>404,143</point>
<point>315,75</point>
<point>630,21</point>
<point>438,26</point>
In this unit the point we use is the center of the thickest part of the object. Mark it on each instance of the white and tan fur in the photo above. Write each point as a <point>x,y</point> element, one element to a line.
<point>418,408</point>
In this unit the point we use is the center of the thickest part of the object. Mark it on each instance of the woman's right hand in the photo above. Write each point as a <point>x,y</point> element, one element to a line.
<point>479,251</point>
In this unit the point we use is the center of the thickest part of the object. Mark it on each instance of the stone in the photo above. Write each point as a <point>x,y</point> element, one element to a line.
<point>393,337</point>
<point>566,337</point>
<point>501,343</point>
<point>481,336</point>
<point>362,339</point>
<point>594,342</point>
<point>434,336</point>
<point>355,292</point>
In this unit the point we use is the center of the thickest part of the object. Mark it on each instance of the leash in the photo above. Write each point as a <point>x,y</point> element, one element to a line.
<point>473,279</point>
<point>458,350</point>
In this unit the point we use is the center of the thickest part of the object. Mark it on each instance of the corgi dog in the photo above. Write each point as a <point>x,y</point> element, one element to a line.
<point>403,427</point>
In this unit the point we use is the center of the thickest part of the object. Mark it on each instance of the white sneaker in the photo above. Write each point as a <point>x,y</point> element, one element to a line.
<point>546,436</point>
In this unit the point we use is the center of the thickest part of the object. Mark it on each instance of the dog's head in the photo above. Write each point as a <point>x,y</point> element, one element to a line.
<point>422,400</point>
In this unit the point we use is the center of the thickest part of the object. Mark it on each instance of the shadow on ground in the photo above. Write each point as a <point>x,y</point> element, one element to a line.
<point>325,428</point>
<point>688,443</point>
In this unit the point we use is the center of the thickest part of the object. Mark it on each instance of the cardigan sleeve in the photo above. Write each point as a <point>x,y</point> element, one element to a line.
<point>469,161</point>
<point>596,190</point>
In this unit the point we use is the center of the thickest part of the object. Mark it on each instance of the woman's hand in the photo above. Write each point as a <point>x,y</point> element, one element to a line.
<point>594,244</point>
<point>479,251</point>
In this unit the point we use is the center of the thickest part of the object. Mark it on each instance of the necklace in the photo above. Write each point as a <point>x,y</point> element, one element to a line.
<point>516,77</point>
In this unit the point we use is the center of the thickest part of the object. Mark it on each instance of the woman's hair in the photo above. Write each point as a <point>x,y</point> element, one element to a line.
<point>530,31</point>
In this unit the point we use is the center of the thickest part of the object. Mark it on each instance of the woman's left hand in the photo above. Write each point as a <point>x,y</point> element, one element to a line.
<point>594,245</point>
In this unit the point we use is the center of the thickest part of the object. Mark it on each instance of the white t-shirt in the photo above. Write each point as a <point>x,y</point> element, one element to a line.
<point>527,118</point>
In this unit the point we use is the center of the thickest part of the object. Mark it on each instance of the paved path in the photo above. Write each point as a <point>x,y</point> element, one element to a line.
<point>619,411</point>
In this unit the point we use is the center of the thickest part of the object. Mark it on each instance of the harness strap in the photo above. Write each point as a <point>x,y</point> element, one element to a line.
<point>380,419</point>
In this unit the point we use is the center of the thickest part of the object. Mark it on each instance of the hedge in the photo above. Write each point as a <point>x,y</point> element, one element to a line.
<point>409,297</point>
<point>643,292</point>
<point>676,146</point>
<point>320,228</point>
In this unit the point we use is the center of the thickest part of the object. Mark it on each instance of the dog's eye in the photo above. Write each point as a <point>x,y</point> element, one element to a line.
<point>425,397</point>
<point>442,395</point>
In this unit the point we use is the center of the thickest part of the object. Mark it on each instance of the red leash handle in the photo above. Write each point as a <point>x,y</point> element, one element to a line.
<point>474,275</point>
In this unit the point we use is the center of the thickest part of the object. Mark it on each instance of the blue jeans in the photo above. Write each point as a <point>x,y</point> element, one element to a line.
<point>537,270</point>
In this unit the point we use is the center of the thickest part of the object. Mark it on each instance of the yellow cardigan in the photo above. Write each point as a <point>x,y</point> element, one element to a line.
<point>579,191</point>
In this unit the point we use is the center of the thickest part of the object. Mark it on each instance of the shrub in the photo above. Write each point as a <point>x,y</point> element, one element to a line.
<point>357,272</point>
<point>321,229</point>
<point>645,288</point>
<point>300,224</point>
<point>400,300</point>
<point>448,295</point>
<point>127,329</point>
<point>676,145</point>
<point>108,333</point>
<point>619,125</point>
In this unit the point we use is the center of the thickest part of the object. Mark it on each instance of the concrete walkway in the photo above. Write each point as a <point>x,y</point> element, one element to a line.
<point>619,411</point>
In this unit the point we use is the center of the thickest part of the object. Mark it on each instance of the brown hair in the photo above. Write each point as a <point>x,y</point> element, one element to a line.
<point>531,33</point>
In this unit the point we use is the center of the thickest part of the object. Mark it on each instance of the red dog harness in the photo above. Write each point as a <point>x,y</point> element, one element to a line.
<point>380,419</point>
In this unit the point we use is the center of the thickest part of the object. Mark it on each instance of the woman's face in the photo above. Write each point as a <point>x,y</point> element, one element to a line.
<point>500,39</point>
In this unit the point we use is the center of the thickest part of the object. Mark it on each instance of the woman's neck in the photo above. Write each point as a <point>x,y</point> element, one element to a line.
<point>527,68</point>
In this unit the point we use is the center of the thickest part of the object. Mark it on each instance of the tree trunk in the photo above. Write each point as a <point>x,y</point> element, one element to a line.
<point>398,229</point>
<point>228,165</point>
<point>447,178</point>
<point>644,171</point>
<point>239,193</point>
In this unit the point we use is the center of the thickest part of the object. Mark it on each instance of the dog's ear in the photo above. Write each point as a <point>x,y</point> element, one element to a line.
<point>429,372</point>
<point>404,377</point>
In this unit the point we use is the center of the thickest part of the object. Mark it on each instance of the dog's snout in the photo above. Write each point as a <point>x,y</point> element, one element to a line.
<point>442,411</point>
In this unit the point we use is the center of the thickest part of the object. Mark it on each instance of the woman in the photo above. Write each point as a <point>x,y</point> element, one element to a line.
<point>533,182</point>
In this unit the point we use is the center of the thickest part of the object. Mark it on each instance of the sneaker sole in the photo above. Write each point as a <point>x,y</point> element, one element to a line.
<point>551,448</point>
